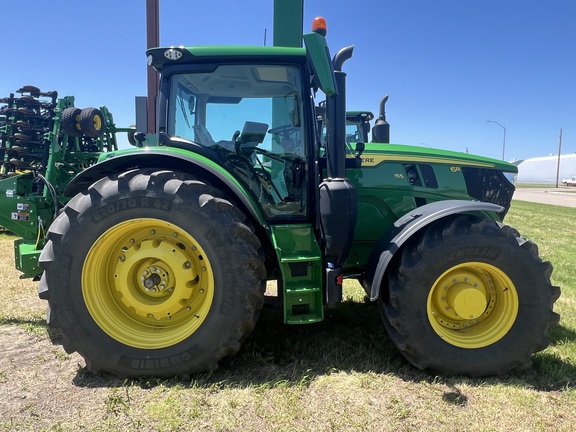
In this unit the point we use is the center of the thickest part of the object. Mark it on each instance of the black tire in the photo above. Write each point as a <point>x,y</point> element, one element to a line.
<point>208,268</point>
<point>91,122</point>
<point>33,90</point>
<point>131,138</point>
<point>479,268</point>
<point>71,121</point>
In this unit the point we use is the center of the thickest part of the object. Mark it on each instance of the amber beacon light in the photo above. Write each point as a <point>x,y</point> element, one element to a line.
<point>319,26</point>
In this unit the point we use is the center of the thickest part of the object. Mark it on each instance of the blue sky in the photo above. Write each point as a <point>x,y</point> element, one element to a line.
<point>448,65</point>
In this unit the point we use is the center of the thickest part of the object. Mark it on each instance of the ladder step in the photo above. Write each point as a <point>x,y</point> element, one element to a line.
<point>303,306</point>
<point>291,259</point>
<point>303,319</point>
<point>300,260</point>
<point>301,290</point>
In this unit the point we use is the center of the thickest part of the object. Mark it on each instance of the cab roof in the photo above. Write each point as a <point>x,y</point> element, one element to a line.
<point>360,115</point>
<point>160,57</point>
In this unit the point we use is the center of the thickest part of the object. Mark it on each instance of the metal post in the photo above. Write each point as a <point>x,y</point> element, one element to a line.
<point>152,40</point>
<point>288,16</point>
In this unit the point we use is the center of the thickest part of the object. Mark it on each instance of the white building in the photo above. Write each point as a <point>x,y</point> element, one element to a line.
<point>544,169</point>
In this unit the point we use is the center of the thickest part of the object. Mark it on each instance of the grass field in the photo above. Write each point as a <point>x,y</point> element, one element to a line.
<point>343,374</point>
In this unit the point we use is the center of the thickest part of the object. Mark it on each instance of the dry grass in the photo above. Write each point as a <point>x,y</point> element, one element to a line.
<point>340,375</point>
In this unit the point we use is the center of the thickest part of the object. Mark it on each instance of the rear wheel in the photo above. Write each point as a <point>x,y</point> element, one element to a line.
<point>470,297</point>
<point>147,274</point>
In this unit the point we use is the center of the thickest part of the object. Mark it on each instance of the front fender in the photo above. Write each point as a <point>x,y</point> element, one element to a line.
<point>165,158</point>
<point>407,226</point>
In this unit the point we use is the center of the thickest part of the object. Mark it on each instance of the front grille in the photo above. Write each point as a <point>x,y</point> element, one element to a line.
<point>489,185</point>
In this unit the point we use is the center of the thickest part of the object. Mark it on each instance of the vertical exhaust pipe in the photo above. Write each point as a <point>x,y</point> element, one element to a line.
<point>338,198</point>
<point>336,118</point>
<point>381,129</point>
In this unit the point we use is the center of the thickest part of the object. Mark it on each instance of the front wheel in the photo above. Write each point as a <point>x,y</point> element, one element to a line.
<point>470,297</point>
<point>150,273</point>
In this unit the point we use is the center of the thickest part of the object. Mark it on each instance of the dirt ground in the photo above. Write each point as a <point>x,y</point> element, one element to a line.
<point>44,388</point>
<point>41,385</point>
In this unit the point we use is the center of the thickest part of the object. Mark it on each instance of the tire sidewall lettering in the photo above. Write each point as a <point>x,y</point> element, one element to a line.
<point>110,209</point>
<point>485,254</point>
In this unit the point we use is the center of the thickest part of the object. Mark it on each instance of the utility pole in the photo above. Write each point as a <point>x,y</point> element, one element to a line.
<point>559,153</point>
<point>504,140</point>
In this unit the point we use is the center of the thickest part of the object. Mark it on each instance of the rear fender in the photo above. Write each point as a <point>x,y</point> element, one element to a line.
<point>198,165</point>
<point>406,227</point>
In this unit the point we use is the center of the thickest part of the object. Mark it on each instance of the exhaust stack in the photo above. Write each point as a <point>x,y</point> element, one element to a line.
<point>381,129</point>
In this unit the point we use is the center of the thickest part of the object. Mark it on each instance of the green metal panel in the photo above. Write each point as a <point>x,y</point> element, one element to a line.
<point>26,254</point>
<point>22,211</point>
<point>321,62</point>
<point>288,18</point>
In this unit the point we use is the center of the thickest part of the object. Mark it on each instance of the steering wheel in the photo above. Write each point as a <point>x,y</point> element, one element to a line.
<point>283,129</point>
<point>290,145</point>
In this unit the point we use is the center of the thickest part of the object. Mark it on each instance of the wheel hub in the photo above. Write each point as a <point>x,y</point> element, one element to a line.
<point>467,302</point>
<point>164,284</point>
<point>463,298</point>
<point>472,305</point>
<point>154,279</point>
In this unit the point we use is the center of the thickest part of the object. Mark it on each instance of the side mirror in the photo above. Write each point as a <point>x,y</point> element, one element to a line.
<point>298,172</point>
<point>360,147</point>
<point>366,127</point>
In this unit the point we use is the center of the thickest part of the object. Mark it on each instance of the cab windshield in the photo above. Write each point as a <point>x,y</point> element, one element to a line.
<point>252,115</point>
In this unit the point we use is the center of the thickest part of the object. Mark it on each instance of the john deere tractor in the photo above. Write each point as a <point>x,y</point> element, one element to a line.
<point>157,263</point>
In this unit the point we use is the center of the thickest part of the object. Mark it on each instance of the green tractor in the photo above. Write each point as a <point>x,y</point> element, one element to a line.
<point>358,126</point>
<point>158,262</point>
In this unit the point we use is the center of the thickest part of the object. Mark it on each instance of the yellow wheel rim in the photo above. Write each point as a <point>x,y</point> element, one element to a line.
<point>472,305</point>
<point>97,122</point>
<point>147,283</point>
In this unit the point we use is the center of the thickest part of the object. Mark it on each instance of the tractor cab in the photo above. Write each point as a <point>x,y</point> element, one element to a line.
<point>249,110</point>
<point>250,118</point>
<point>358,126</point>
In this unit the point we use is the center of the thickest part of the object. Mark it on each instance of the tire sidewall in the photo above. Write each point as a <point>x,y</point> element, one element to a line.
<point>508,257</point>
<point>200,347</point>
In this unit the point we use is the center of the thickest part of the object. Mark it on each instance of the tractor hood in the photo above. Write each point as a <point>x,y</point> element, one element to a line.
<point>375,154</point>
